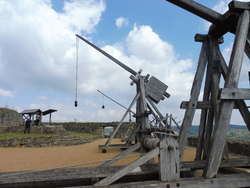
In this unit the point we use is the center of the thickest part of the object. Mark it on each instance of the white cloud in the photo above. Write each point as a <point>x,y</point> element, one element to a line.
<point>121,22</point>
<point>38,48</point>
<point>42,97</point>
<point>6,93</point>
<point>36,41</point>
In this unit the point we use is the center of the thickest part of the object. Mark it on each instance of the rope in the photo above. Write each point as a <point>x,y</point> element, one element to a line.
<point>69,166</point>
<point>77,47</point>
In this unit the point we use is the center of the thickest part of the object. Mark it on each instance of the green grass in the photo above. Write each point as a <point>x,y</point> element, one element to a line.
<point>21,135</point>
<point>84,135</point>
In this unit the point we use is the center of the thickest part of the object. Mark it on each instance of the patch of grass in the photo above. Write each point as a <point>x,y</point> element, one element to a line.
<point>21,135</point>
<point>84,135</point>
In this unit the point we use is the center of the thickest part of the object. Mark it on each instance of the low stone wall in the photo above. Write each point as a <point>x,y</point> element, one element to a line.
<point>239,147</point>
<point>45,141</point>
<point>61,137</point>
<point>47,129</point>
<point>97,128</point>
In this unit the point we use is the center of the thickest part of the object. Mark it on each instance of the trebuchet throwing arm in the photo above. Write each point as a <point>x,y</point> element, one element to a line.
<point>109,56</point>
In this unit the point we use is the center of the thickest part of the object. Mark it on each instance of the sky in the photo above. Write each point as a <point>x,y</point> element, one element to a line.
<point>38,55</point>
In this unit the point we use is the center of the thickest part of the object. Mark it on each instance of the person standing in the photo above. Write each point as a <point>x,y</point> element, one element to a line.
<point>27,126</point>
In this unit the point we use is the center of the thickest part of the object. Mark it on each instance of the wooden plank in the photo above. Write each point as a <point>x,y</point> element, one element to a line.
<point>155,89</point>
<point>234,93</point>
<point>169,160</point>
<point>237,163</point>
<point>196,87</point>
<point>231,180</point>
<point>200,105</point>
<point>219,136</point>
<point>83,176</point>
<point>122,154</point>
<point>110,179</point>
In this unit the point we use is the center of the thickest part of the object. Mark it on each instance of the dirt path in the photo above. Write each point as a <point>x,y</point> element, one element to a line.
<point>23,159</point>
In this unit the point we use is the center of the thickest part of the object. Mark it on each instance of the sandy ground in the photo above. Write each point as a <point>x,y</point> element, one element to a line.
<point>23,159</point>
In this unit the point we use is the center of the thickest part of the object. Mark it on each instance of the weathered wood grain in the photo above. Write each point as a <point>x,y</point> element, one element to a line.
<point>189,114</point>
<point>219,136</point>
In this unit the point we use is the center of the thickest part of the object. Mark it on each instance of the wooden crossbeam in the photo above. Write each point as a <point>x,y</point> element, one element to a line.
<point>237,6</point>
<point>200,105</point>
<point>234,93</point>
<point>228,23</point>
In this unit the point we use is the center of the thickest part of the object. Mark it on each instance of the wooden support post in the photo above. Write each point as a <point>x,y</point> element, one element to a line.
<point>215,60</point>
<point>124,116</point>
<point>241,105</point>
<point>189,114</point>
<point>169,159</point>
<point>112,178</point>
<point>221,126</point>
<point>206,96</point>
<point>122,154</point>
<point>143,104</point>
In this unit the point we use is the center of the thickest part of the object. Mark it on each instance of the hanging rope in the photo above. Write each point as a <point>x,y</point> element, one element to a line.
<point>77,46</point>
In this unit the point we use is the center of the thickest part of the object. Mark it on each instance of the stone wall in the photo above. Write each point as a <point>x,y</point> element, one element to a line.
<point>46,141</point>
<point>61,137</point>
<point>239,147</point>
<point>47,129</point>
<point>97,128</point>
<point>10,117</point>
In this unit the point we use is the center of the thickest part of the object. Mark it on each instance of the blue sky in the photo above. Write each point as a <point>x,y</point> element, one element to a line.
<point>38,56</point>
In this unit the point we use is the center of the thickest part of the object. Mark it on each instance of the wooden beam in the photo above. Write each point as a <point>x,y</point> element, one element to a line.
<point>237,163</point>
<point>240,104</point>
<point>234,93</point>
<point>221,126</point>
<point>196,87</point>
<point>169,160</point>
<point>237,6</point>
<point>124,116</point>
<point>112,178</point>
<point>122,154</point>
<point>200,105</point>
<point>198,9</point>
<point>203,38</point>
<point>83,176</point>
<point>228,23</point>
<point>231,180</point>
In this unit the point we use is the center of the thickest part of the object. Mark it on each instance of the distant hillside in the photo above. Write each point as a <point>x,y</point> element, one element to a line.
<point>234,132</point>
